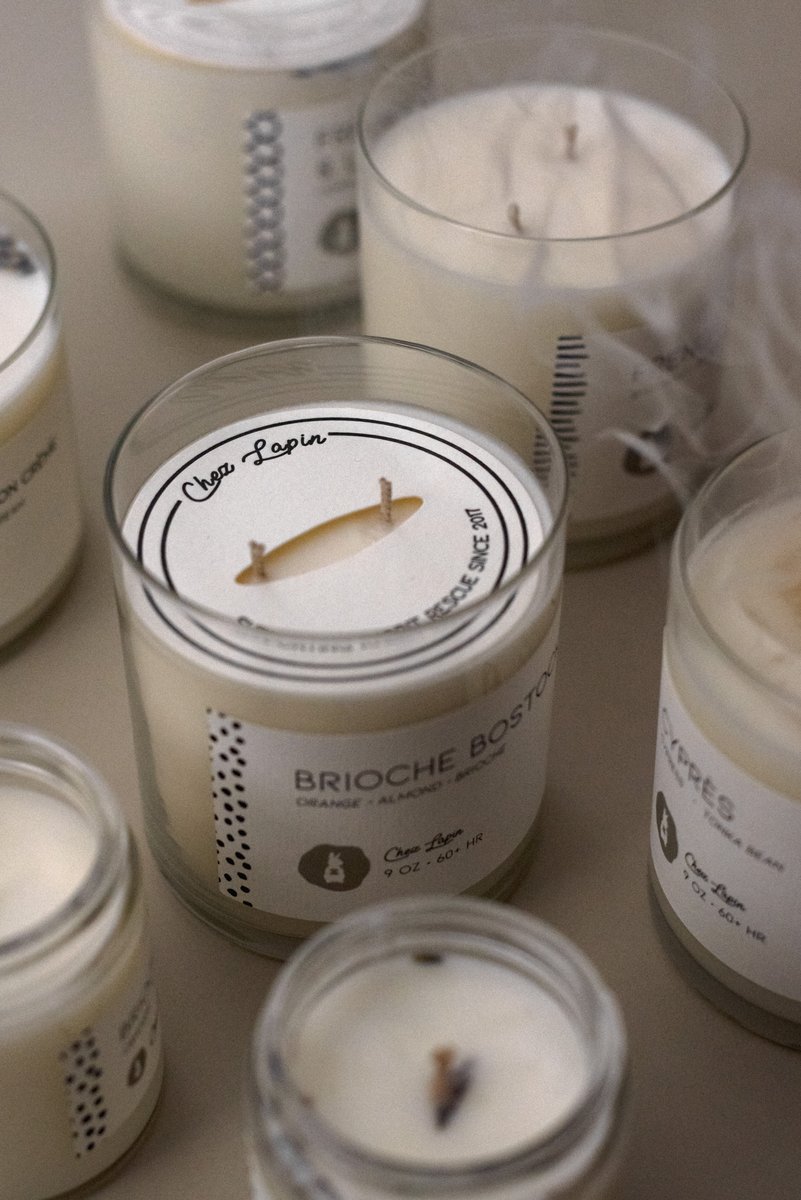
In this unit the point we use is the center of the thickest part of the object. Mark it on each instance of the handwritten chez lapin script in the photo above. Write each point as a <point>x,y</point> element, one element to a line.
<point>203,487</point>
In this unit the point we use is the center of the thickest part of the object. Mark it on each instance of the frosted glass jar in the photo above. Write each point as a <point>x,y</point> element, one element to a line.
<point>229,129</point>
<point>332,708</point>
<point>437,1048</point>
<point>726,826</point>
<point>41,522</point>
<point>80,1050</point>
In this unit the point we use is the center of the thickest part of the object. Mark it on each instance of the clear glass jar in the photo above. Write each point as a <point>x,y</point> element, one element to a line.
<point>41,522</point>
<point>80,1048</point>
<point>229,131</point>
<point>318,735</point>
<point>589,266</point>
<point>437,1047</point>
<point>726,827</point>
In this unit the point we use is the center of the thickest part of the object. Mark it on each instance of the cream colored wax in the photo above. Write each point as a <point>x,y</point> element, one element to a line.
<point>496,224</point>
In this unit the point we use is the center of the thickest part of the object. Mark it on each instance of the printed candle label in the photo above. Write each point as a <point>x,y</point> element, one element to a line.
<point>300,227</point>
<point>624,407</point>
<point>305,490</point>
<point>380,813</point>
<point>727,853</point>
<point>40,518</point>
<point>109,1065</point>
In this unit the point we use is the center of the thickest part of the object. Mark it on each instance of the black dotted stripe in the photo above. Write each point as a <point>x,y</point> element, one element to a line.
<point>227,750</point>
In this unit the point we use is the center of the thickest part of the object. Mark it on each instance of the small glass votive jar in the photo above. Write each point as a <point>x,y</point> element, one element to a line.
<point>554,203</point>
<point>726,827</point>
<point>41,522</point>
<point>230,132</point>
<point>339,569</point>
<point>80,1049</point>
<point>437,1047</point>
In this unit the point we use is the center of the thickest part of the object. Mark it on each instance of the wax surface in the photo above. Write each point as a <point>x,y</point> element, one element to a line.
<point>364,1058</point>
<point>46,851</point>
<point>747,580</point>
<point>551,161</point>
<point>283,34</point>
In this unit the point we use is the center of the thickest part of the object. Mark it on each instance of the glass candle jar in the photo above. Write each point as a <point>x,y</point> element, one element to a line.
<point>339,567</point>
<point>554,203</point>
<point>41,522</point>
<point>437,1047</point>
<point>80,1051</point>
<point>230,129</point>
<point>726,828</point>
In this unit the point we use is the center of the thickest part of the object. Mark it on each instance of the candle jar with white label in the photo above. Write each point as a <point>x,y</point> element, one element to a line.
<point>339,568</point>
<point>229,130</point>
<point>80,1051</point>
<point>726,825</point>
<point>437,1047</point>
<point>41,521</point>
<point>555,203</point>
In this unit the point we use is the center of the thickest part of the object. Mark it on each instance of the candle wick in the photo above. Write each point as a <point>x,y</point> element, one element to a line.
<point>571,138</point>
<point>513,214</point>
<point>256,559</point>
<point>449,1084</point>
<point>386,500</point>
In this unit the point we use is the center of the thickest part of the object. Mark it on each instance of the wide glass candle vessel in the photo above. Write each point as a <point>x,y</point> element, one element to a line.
<point>339,567</point>
<point>230,132</point>
<point>437,1047</point>
<point>726,827</point>
<point>80,1051</point>
<point>554,203</point>
<point>40,514</point>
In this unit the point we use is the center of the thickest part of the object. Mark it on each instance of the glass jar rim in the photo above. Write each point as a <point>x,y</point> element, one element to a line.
<point>459,43</point>
<point>29,754</point>
<point>491,931</point>
<point>465,611</point>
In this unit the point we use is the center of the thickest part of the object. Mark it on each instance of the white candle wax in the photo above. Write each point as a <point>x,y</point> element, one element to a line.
<point>726,834</point>
<point>229,130</point>
<point>80,1054</point>
<point>364,1057</point>
<point>46,850</point>
<point>563,237</point>
<point>345,765</point>
<point>40,516</point>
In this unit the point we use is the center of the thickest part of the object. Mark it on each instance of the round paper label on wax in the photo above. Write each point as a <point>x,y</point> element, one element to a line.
<point>285,522</point>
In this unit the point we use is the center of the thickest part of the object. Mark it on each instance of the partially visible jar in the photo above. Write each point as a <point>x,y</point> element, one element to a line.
<point>41,521</point>
<point>80,1047</point>
<point>444,1047</point>
<point>726,818</point>
<point>230,138</point>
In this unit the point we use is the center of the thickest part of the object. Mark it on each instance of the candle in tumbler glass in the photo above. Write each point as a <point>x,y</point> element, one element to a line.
<point>555,205</point>
<point>229,130</point>
<point>41,522</point>
<point>80,1052</point>
<point>340,607</point>
<point>726,827</point>
<point>437,1046</point>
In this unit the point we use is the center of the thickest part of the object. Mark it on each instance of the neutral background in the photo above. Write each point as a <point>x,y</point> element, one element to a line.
<point>715,1109</point>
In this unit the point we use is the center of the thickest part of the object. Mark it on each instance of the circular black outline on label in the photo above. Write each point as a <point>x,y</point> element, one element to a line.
<point>329,672</point>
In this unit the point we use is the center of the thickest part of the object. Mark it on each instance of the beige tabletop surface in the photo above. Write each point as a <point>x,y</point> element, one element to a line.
<point>716,1111</point>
